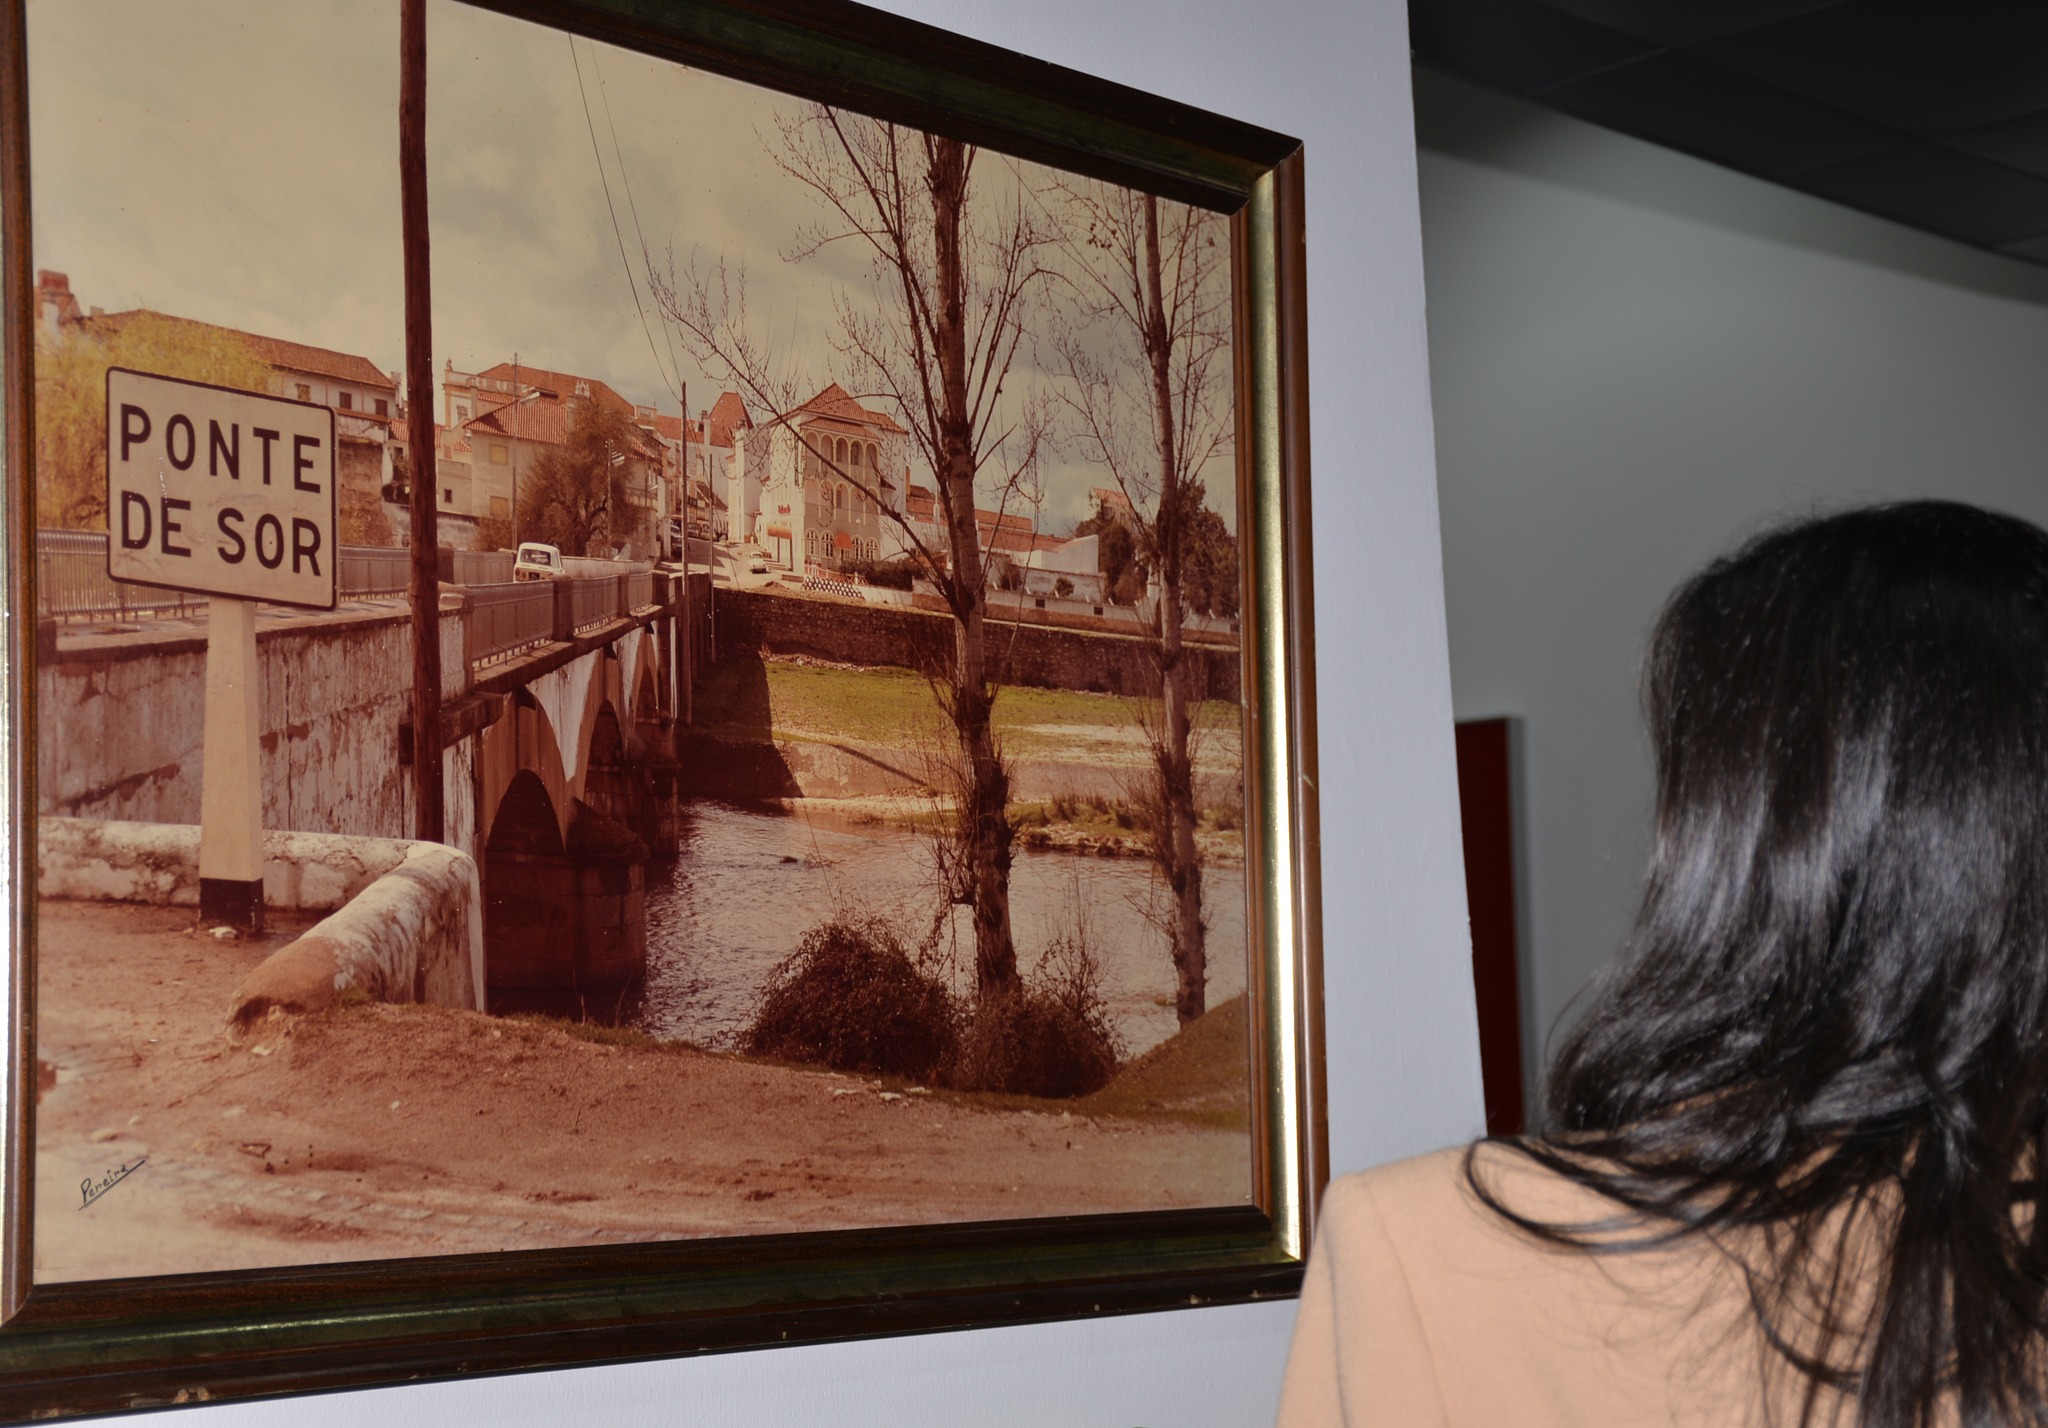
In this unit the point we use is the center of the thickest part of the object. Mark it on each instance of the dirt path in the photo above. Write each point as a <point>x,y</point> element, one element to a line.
<point>375,1131</point>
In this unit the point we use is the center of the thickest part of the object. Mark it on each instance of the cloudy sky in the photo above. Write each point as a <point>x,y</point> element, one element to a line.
<point>237,162</point>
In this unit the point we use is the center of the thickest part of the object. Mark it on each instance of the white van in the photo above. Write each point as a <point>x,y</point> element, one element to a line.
<point>536,562</point>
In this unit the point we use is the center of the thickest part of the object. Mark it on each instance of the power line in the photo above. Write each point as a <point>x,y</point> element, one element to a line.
<point>598,154</point>
<point>604,97</point>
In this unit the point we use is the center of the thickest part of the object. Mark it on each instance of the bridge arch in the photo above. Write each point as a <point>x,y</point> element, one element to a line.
<point>523,740</point>
<point>652,718</point>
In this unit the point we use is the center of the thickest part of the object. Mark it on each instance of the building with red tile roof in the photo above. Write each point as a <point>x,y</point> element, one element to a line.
<point>341,380</point>
<point>511,412</point>
<point>363,398</point>
<point>837,404</point>
<point>824,484</point>
<point>703,450</point>
<point>566,385</point>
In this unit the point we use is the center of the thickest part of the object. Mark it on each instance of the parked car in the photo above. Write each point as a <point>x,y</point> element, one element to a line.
<point>536,561</point>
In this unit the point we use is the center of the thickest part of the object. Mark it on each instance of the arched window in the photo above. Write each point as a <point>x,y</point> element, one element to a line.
<point>839,453</point>
<point>839,497</point>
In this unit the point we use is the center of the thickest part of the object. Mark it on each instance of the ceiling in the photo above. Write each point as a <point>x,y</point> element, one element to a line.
<point>1930,112</point>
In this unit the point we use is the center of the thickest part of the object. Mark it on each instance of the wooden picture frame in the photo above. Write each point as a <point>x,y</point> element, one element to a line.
<point>115,1344</point>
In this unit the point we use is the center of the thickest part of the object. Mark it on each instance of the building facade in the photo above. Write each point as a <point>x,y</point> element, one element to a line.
<point>835,478</point>
<point>502,419</point>
<point>364,398</point>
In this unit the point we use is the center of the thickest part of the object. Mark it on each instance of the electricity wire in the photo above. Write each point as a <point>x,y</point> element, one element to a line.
<point>618,234</point>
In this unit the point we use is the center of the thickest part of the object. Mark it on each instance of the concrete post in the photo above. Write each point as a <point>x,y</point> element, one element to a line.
<point>231,784</point>
<point>685,652</point>
<point>429,810</point>
<point>565,609</point>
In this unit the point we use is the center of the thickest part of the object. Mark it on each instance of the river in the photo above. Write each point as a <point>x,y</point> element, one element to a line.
<point>748,884</point>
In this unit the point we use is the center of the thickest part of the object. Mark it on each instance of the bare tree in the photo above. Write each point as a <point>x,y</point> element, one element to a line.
<point>71,397</point>
<point>954,268</point>
<point>1146,350</point>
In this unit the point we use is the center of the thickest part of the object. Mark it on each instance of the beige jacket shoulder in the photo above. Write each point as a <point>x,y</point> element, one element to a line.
<point>1422,1308</point>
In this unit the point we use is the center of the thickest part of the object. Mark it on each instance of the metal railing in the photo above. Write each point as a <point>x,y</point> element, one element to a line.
<point>72,579</point>
<point>508,617</point>
<point>481,567</point>
<point>72,582</point>
<point>372,570</point>
<point>593,600</point>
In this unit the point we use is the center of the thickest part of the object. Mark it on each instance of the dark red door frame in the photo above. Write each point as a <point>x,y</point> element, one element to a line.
<point>1489,798</point>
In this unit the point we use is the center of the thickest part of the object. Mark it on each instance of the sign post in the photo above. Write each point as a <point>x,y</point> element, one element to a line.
<point>231,786</point>
<point>227,494</point>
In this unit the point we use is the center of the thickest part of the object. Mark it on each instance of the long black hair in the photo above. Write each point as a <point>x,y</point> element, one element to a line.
<point>1826,1037</point>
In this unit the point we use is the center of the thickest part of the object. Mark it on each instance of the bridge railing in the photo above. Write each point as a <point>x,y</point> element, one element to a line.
<point>637,591</point>
<point>72,579</point>
<point>593,599</point>
<point>478,567</point>
<point>372,570</point>
<point>507,617</point>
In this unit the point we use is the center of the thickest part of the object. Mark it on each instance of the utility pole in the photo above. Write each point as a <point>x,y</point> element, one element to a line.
<point>684,666</point>
<point>513,407</point>
<point>429,822</point>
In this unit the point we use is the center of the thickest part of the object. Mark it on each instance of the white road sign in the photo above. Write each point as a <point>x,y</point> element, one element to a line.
<point>219,492</point>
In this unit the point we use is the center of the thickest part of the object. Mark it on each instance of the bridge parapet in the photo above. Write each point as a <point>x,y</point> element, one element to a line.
<point>507,618</point>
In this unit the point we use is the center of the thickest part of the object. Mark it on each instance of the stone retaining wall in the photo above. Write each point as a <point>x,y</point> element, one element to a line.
<point>1040,655</point>
<point>406,924</point>
<point>121,722</point>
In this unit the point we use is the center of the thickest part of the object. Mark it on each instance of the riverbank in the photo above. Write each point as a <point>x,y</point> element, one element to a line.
<point>749,882</point>
<point>373,1131</point>
<point>808,734</point>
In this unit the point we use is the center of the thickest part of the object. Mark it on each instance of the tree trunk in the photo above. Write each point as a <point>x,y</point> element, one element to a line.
<point>984,832</point>
<point>1174,843</point>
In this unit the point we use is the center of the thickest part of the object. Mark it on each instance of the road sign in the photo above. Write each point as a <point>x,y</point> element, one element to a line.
<point>220,492</point>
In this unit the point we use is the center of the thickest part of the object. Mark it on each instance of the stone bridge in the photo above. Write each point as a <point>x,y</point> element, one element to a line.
<point>561,701</point>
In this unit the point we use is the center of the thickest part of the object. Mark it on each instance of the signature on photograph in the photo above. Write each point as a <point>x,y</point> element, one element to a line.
<point>91,1190</point>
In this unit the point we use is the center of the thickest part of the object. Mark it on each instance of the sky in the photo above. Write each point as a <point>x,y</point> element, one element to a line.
<point>236,162</point>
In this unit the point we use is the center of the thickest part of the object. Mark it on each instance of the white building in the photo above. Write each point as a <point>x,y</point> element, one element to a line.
<point>830,474</point>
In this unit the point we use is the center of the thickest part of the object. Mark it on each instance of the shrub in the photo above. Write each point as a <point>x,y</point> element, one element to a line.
<point>1050,1037</point>
<point>889,574</point>
<point>852,999</point>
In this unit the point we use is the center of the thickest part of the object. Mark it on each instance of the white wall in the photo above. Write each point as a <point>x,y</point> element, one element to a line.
<point>1403,1060</point>
<point>1636,359</point>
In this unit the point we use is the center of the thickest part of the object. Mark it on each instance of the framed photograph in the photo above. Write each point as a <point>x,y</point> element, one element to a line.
<point>660,692</point>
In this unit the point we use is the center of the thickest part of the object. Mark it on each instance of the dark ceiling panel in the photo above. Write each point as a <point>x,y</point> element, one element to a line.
<point>1686,22</point>
<point>1930,112</point>
<point>2022,143</point>
<point>1931,187</point>
<point>2033,249</point>
<point>1517,45</point>
<point>1716,114</point>
<point>1928,67</point>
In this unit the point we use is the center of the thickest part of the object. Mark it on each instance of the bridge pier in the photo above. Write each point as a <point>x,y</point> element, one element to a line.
<point>565,923</point>
<point>637,782</point>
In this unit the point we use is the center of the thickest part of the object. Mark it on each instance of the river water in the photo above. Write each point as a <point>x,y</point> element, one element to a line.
<point>748,884</point>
